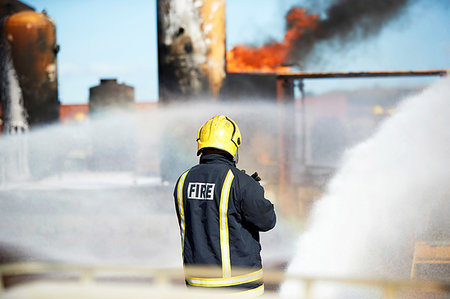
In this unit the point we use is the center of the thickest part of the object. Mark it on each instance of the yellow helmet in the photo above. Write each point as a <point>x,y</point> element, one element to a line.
<point>219,132</point>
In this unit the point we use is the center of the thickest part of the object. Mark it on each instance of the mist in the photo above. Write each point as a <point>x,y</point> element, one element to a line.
<point>389,191</point>
<point>101,190</point>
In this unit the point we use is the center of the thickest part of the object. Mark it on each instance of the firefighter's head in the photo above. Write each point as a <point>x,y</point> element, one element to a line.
<point>219,132</point>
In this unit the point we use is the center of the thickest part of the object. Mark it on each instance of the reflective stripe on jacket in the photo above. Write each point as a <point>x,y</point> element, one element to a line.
<point>221,211</point>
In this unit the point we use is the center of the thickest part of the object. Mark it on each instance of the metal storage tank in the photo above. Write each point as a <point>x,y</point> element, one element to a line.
<point>29,41</point>
<point>110,95</point>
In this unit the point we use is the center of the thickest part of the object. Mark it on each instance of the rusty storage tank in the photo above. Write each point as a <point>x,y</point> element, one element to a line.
<point>29,39</point>
<point>110,95</point>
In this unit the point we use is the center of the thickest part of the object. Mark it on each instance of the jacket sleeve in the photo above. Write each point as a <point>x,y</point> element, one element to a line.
<point>257,210</point>
<point>176,200</point>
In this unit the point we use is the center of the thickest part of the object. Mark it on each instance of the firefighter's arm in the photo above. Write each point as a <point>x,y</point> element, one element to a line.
<point>256,209</point>
<point>176,203</point>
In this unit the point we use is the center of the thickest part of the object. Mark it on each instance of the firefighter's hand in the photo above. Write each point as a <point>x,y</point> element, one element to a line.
<point>256,177</point>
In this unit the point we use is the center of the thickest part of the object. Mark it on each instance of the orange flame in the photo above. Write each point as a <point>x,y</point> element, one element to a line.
<point>270,57</point>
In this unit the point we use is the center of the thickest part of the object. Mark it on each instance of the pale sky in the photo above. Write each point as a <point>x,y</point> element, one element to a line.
<point>117,39</point>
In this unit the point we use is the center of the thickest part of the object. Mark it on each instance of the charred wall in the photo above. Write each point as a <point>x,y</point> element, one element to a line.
<point>191,49</point>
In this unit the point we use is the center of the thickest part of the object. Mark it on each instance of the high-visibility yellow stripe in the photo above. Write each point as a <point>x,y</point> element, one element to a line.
<point>224,234</point>
<point>258,291</point>
<point>181,207</point>
<point>225,281</point>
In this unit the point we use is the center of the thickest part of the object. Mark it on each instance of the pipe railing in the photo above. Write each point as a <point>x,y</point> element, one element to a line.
<point>375,74</point>
<point>174,279</point>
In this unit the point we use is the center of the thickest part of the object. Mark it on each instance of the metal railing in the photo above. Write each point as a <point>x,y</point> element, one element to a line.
<point>172,280</point>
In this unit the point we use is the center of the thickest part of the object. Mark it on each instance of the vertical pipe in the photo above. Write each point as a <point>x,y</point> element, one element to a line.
<point>281,144</point>
<point>285,100</point>
<point>301,86</point>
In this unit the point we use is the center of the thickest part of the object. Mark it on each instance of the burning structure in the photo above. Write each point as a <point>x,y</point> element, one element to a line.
<point>344,21</point>
<point>341,23</point>
<point>269,72</point>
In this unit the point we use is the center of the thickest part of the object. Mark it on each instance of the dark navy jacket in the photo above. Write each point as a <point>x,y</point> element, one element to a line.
<point>221,211</point>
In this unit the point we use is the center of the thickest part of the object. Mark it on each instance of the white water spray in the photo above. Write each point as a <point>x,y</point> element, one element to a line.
<point>15,164</point>
<point>120,210</point>
<point>101,191</point>
<point>15,116</point>
<point>390,191</point>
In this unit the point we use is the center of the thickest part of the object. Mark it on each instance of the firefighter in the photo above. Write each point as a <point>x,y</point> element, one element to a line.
<point>221,211</point>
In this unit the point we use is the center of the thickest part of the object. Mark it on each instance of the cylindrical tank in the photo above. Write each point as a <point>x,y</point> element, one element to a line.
<point>110,95</point>
<point>31,44</point>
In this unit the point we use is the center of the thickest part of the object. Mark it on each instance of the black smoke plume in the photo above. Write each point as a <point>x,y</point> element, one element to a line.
<point>346,21</point>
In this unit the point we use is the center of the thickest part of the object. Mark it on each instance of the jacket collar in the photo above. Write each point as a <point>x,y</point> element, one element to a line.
<point>216,158</point>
